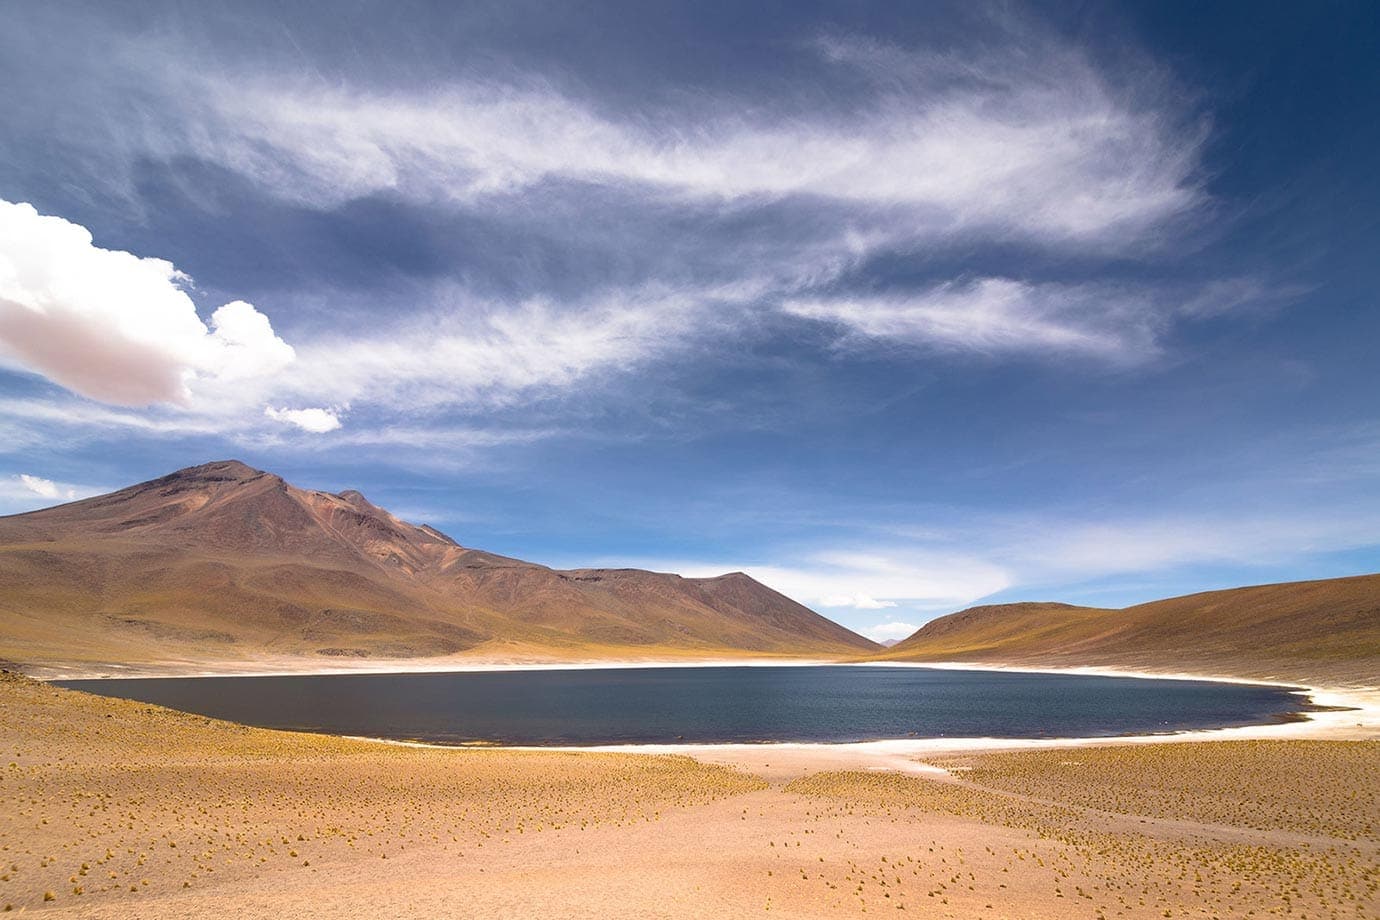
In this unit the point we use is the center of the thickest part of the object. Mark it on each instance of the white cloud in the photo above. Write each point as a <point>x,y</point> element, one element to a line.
<point>998,315</point>
<point>1019,134</point>
<point>113,326</point>
<point>1011,142</point>
<point>919,578</point>
<point>317,421</point>
<point>856,601</point>
<point>465,354</point>
<point>474,353</point>
<point>1232,295</point>
<point>889,630</point>
<point>26,492</point>
<point>1043,151</point>
<point>46,488</point>
<point>1088,549</point>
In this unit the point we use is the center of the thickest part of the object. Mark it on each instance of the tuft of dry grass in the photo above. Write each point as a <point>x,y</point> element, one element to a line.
<point>110,801</point>
<point>1237,828</point>
<point>1325,631</point>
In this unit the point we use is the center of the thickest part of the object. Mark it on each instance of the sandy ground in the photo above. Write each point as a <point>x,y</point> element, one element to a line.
<point>118,809</point>
<point>283,666</point>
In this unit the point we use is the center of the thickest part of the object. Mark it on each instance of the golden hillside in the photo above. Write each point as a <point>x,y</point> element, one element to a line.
<point>1308,630</point>
<point>224,562</point>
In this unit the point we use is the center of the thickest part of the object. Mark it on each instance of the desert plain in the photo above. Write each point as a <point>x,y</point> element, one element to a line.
<point>120,809</point>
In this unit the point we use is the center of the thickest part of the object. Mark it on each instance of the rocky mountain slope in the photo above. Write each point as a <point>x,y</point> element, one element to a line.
<point>223,562</point>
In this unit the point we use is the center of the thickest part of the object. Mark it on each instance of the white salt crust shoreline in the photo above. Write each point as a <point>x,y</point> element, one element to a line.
<point>1351,713</point>
<point>297,667</point>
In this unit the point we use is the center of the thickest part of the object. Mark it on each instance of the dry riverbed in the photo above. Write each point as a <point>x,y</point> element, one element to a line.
<point>117,809</point>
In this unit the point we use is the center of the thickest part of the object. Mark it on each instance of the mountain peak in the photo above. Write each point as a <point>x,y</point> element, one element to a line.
<point>223,559</point>
<point>355,498</point>
<point>219,471</point>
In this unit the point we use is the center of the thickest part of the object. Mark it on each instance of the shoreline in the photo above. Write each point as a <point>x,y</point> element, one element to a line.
<point>794,758</point>
<point>1344,714</point>
<point>295,667</point>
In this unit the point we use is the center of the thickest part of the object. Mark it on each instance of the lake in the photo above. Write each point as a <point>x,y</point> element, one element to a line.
<point>813,703</point>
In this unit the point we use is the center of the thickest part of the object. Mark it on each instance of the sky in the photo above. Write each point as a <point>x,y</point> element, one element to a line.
<point>897,307</point>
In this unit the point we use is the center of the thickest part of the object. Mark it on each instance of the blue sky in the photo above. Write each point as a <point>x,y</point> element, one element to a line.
<point>895,308</point>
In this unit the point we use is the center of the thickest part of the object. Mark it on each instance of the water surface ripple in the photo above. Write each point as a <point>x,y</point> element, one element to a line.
<point>815,703</point>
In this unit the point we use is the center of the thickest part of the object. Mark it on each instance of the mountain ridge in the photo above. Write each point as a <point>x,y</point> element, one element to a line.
<point>1303,631</point>
<point>222,560</point>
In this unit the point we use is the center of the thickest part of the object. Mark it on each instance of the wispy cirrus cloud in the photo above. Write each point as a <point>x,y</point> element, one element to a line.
<point>999,316</point>
<point>1004,142</point>
<point>121,330</point>
<point>770,206</point>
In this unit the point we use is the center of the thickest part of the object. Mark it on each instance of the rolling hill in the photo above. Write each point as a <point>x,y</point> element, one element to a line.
<point>1304,631</point>
<point>225,563</point>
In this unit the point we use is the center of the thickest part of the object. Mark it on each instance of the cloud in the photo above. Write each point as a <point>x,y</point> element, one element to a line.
<point>465,357</point>
<point>317,421</point>
<point>115,327</point>
<point>1093,548</point>
<point>46,488</point>
<point>856,601</point>
<point>889,630</point>
<point>1233,295</point>
<point>723,205</point>
<point>1016,133</point>
<point>474,353</point>
<point>26,492</point>
<point>997,316</point>
<point>869,578</point>
<point>1036,146</point>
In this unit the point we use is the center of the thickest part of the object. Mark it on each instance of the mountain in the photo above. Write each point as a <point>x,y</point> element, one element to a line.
<point>1304,631</point>
<point>223,562</point>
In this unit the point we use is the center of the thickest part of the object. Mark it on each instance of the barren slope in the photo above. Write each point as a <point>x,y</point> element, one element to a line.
<point>1306,631</point>
<point>224,562</point>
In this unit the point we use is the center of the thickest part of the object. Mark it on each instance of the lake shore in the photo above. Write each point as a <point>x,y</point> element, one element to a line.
<point>1346,714</point>
<point>1340,713</point>
<point>118,809</point>
<point>269,666</point>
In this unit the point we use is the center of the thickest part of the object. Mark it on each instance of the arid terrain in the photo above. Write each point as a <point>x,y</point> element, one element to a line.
<point>227,565</point>
<point>1310,631</point>
<point>116,809</point>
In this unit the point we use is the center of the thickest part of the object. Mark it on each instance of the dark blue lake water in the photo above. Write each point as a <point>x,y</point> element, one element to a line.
<point>710,704</point>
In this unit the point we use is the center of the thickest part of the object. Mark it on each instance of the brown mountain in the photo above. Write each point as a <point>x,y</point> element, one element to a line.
<point>223,562</point>
<point>1306,631</point>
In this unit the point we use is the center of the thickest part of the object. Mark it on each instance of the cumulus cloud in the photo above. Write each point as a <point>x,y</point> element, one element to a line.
<point>26,492</point>
<point>113,326</point>
<point>998,315</point>
<point>317,421</point>
<point>46,488</point>
<point>1018,138</point>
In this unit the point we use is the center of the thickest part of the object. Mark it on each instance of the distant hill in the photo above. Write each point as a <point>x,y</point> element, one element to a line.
<point>1308,630</point>
<point>225,562</point>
